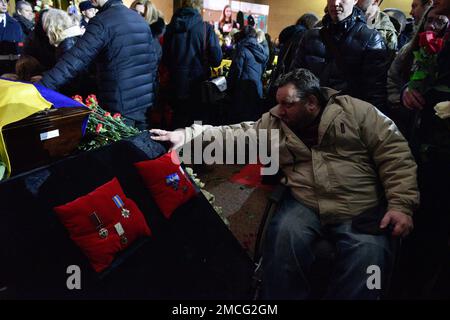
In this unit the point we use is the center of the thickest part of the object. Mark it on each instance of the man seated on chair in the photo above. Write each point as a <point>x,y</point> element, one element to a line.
<point>340,157</point>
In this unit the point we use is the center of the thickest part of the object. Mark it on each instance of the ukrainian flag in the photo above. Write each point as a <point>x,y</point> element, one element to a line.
<point>19,100</point>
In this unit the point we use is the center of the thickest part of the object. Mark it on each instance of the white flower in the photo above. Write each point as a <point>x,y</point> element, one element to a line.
<point>38,3</point>
<point>443,109</point>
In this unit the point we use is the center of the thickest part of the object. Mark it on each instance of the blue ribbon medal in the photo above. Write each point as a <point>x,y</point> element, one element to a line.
<point>119,203</point>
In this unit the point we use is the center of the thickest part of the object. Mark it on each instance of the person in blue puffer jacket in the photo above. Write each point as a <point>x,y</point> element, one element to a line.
<point>121,44</point>
<point>190,48</point>
<point>244,79</point>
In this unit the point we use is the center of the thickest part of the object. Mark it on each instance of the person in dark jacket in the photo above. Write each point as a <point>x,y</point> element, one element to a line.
<point>38,45</point>
<point>430,143</point>
<point>88,11</point>
<point>244,79</point>
<point>11,38</point>
<point>122,45</point>
<point>155,20</point>
<point>190,48</point>
<point>289,40</point>
<point>25,16</point>
<point>63,33</point>
<point>346,55</point>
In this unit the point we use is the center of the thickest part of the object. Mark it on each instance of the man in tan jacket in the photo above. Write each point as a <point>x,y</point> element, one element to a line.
<point>340,157</point>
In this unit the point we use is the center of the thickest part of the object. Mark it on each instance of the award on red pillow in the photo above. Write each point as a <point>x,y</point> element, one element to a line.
<point>167,182</point>
<point>103,223</point>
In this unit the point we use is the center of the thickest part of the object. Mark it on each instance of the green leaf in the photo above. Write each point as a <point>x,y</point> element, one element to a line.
<point>419,75</point>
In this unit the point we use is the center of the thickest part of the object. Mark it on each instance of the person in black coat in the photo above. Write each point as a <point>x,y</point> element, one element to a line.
<point>289,40</point>
<point>63,33</point>
<point>38,45</point>
<point>244,79</point>
<point>11,38</point>
<point>427,250</point>
<point>25,16</point>
<point>121,44</point>
<point>353,60</point>
<point>190,48</point>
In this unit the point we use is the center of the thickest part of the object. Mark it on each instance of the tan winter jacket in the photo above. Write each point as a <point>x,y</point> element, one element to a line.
<point>358,148</point>
<point>386,28</point>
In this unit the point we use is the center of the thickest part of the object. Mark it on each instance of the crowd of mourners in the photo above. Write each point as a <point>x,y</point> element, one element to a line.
<point>136,63</point>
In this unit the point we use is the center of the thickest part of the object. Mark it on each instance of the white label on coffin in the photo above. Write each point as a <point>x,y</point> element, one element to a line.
<point>49,134</point>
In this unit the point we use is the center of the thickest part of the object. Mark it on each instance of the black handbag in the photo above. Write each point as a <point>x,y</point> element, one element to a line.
<point>213,91</point>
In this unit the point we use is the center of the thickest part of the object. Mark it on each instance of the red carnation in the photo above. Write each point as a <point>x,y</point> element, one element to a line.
<point>107,114</point>
<point>116,116</point>
<point>429,41</point>
<point>99,127</point>
<point>78,98</point>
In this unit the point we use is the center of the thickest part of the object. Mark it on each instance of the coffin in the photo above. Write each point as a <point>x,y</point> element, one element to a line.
<point>43,137</point>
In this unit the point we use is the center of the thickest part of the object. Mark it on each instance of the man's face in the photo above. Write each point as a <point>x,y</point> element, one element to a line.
<point>417,10</point>
<point>90,13</point>
<point>27,13</point>
<point>340,9</point>
<point>3,6</point>
<point>364,4</point>
<point>442,7</point>
<point>292,109</point>
<point>435,22</point>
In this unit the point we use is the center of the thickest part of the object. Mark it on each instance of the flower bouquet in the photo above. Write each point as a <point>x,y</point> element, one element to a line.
<point>425,74</point>
<point>102,127</point>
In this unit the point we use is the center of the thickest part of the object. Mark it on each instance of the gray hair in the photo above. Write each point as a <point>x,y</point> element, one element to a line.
<point>304,81</point>
<point>54,23</point>
<point>21,4</point>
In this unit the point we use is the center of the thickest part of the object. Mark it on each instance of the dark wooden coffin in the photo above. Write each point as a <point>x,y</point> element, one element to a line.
<point>43,137</point>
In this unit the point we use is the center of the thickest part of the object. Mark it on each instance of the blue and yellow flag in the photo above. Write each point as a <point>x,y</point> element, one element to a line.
<point>19,100</point>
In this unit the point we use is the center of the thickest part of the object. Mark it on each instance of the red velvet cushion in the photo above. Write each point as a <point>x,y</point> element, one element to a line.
<point>84,230</point>
<point>167,182</point>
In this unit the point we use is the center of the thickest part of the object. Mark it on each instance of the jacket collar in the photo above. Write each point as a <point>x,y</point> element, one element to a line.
<point>71,32</point>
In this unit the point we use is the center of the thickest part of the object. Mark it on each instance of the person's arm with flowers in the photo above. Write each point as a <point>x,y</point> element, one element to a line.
<point>425,75</point>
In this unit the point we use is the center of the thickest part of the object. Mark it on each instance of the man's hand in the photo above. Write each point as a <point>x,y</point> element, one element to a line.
<point>35,79</point>
<point>401,222</point>
<point>413,99</point>
<point>176,138</point>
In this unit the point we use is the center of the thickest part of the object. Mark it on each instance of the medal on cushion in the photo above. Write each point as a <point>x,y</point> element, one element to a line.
<point>119,203</point>
<point>102,231</point>
<point>173,180</point>
<point>121,233</point>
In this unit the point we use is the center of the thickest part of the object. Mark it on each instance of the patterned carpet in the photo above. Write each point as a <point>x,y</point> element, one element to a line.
<point>243,199</point>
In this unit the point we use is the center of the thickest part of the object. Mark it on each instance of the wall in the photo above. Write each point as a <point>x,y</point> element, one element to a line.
<point>165,6</point>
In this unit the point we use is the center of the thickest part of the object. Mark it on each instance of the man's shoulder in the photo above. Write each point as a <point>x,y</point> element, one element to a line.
<point>10,20</point>
<point>384,22</point>
<point>369,38</point>
<point>351,105</point>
